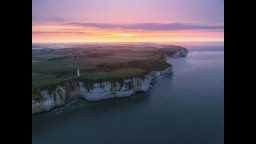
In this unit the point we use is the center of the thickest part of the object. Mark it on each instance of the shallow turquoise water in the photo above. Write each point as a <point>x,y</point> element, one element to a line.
<point>184,108</point>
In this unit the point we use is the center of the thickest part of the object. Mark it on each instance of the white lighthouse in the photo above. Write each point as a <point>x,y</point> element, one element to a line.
<point>78,73</point>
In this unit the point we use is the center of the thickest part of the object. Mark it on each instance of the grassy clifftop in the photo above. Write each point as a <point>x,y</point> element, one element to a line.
<point>53,66</point>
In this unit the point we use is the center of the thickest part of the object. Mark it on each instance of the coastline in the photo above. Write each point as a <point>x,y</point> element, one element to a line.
<point>70,90</point>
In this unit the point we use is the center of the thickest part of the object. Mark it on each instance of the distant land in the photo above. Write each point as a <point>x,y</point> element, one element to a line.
<point>95,71</point>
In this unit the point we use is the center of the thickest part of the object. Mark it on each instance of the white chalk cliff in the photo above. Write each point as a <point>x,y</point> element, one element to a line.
<point>50,99</point>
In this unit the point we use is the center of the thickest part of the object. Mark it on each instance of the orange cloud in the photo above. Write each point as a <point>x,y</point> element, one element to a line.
<point>54,33</point>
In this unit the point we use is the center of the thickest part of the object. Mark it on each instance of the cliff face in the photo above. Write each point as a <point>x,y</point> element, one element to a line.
<point>109,89</point>
<point>46,100</point>
<point>97,91</point>
<point>181,53</point>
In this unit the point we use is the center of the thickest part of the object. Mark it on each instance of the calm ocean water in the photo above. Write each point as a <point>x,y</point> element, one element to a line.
<point>184,108</point>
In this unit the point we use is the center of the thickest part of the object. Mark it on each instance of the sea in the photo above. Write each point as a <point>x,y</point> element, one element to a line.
<point>186,107</point>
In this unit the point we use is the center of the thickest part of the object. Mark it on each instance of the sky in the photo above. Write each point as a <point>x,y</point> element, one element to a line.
<point>70,21</point>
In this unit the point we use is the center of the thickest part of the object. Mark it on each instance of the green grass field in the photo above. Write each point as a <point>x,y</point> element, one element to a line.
<point>122,73</point>
<point>55,66</point>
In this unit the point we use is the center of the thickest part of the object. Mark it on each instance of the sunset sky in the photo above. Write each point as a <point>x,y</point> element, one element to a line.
<point>57,21</point>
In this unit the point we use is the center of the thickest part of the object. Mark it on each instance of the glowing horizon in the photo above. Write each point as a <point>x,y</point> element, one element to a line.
<point>78,21</point>
<point>51,33</point>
